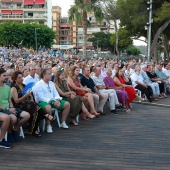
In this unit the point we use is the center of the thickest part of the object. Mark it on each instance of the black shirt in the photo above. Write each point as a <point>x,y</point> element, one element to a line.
<point>88,82</point>
<point>151,75</point>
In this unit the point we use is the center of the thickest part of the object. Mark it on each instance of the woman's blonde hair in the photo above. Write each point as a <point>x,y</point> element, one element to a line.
<point>72,70</point>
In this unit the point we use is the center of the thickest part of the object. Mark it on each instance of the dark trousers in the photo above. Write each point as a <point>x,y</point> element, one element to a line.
<point>147,91</point>
<point>161,87</point>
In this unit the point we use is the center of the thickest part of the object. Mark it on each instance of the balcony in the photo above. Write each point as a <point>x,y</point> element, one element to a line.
<point>10,7</point>
<point>12,16</point>
<point>21,17</point>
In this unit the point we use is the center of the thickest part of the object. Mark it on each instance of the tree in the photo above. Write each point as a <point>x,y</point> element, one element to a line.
<point>134,16</point>
<point>102,40</point>
<point>124,39</point>
<point>79,12</point>
<point>111,13</point>
<point>23,34</point>
<point>132,50</point>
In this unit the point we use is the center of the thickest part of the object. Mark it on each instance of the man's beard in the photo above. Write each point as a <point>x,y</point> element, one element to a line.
<point>5,81</point>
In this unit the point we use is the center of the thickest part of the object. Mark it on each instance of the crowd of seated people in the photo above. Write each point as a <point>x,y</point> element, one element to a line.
<point>31,88</point>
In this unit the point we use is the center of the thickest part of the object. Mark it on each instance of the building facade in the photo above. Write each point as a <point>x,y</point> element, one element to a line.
<point>56,16</point>
<point>33,11</point>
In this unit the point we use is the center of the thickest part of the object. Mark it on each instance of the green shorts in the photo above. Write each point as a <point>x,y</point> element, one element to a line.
<point>44,104</point>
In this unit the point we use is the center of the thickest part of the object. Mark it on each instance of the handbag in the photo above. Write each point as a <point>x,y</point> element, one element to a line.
<point>81,93</point>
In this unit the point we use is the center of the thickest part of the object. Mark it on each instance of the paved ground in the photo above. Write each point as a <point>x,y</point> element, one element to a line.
<point>137,140</point>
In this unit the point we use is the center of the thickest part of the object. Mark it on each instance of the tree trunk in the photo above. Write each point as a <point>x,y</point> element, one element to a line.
<point>155,53</point>
<point>165,42</point>
<point>84,33</point>
<point>154,43</point>
<point>117,39</point>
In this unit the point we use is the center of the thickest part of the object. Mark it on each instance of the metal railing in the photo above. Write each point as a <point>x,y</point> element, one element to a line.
<point>11,16</point>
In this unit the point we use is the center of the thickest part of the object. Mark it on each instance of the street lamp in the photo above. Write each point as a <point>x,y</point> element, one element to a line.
<point>36,38</point>
<point>149,30</point>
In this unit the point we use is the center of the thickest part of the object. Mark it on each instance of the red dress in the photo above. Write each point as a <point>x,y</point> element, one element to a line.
<point>129,89</point>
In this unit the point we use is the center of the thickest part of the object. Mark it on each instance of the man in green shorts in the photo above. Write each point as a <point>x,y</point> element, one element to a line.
<point>47,98</point>
<point>6,106</point>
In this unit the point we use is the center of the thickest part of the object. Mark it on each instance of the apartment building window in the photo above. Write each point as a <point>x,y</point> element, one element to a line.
<point>30,15</point>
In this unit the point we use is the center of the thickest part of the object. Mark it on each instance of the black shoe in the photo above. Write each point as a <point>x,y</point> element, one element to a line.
<point>101,113</point>
<point>114,112</point>
<point>119,108</point>
<point>4,144</point>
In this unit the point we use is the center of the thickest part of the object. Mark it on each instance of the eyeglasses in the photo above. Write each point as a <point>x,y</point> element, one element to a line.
<point>32,69</point>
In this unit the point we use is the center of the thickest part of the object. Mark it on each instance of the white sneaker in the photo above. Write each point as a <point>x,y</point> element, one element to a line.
<point>63,125</point>
<point>49,129</point>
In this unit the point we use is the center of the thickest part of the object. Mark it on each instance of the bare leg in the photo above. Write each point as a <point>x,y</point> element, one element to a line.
<point>91,103</point>
<point>65,111</point>
<point>48,110</point>
<point>5,119</point>
<point>13,120</point>
<point>86,113</point>
<point>25,116</point>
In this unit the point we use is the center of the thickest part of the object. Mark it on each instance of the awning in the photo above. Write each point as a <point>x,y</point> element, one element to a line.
<point>17,12</point>
<point>39,1</point>
<point>5,11</point>
<point>28,2</point>
<point>17,1</point>
<point>5,0</point>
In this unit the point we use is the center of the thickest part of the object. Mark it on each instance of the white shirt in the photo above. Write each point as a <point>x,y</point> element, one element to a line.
<point>113,73</point>
<point>45,92</point>
<point>166,72</point>
<point>30,79</point>
<point>136,77</point>
<point>131,71</point>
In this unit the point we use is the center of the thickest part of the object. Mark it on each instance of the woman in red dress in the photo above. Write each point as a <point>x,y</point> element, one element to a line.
<point>120,81</point>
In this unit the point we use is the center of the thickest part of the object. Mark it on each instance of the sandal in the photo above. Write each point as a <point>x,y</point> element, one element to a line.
<point>84,117</point>
<point>49,117</point>
<point>36,134</point>
<point>74,123</point>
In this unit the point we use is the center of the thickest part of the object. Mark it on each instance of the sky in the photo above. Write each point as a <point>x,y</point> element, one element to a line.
<point>65,5</point>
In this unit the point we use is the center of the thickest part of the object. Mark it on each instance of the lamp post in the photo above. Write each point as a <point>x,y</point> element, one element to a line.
<point>149,30</point>
<point>36,38</point>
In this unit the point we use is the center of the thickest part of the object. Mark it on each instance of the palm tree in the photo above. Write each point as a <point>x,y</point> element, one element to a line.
<point>79,12</point>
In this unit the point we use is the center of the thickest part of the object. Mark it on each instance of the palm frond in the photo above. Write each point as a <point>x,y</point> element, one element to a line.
<point>98,13</point>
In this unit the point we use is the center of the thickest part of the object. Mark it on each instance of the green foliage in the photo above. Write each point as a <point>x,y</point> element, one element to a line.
<point>124,39</point>
<point>132,50</point>
<point>102,40</point>
<point>23,34</point>
<point>164,13</point>
<point>76,11</point>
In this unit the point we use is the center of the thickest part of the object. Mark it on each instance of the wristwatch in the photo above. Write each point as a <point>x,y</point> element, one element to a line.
<point>51,102</point>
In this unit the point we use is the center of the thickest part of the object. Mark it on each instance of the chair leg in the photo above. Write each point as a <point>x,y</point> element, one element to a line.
<point>57,116</point>
<point>43,124</point>
<point>22,132</point>
<point>77,118</point>
<point>6,135</point>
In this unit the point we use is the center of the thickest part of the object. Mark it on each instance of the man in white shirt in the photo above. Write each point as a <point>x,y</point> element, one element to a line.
<point>147,81</point>
<point>31,77</point>
<point>166,70</point>
<point>138,83</point>
<point>47,97</point>
<point>98,80</point>
<point>115,68</point>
